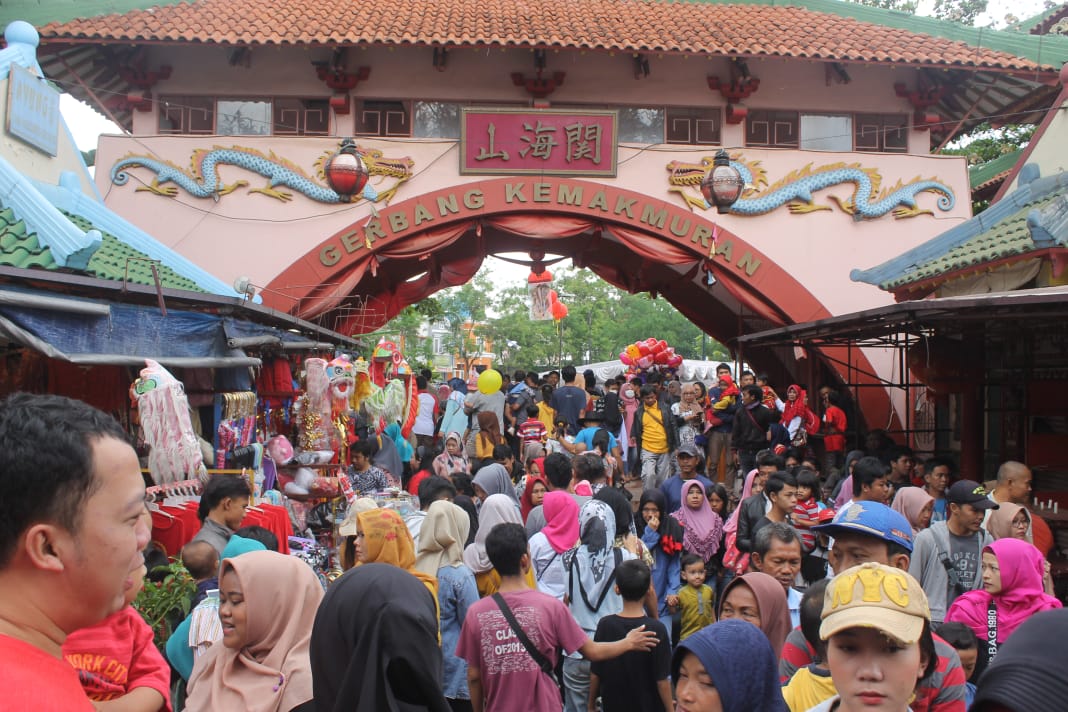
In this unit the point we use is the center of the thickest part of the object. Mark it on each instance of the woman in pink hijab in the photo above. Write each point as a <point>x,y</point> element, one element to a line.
<point>702,528</point>
<point>1012,585</point>
<point>734,561</point>
<point>560,533</point>
<point>915,505</point>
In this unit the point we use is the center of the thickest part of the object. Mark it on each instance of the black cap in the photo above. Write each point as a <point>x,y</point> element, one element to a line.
<point>970,492</point>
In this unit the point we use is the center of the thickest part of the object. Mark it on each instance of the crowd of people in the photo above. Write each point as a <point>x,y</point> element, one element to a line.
<point>578,546</point>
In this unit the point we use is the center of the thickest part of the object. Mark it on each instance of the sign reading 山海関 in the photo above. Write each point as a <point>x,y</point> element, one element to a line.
<point>544,142</point>
<point>32,110</point>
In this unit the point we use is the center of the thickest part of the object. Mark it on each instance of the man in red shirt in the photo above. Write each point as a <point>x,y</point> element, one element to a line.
<point>72,530</point>
<point>833,429</point>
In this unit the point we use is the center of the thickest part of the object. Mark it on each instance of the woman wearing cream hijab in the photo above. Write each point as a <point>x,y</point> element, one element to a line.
<point>267,604</point>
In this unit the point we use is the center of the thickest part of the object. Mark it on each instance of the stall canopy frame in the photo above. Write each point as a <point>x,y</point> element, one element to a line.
<point>990,320</point>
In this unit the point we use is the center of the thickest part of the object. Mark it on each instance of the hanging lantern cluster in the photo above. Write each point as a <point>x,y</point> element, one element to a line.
<point>723,185</point>
<point>346,172</point>
<point>559,309</point>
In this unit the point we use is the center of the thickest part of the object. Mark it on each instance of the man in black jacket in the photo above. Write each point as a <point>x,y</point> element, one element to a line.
<point>749,434</point>
<point>655,438</point>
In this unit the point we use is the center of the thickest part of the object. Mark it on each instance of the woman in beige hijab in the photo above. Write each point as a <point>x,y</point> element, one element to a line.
<point>267,605</point>
<point>441,552</point>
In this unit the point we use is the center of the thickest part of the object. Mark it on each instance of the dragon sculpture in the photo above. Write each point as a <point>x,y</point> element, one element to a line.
<point>202,180</point>
<point>795,190</point>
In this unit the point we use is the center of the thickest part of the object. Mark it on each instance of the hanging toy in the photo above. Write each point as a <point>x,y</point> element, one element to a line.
<point>174,453</point>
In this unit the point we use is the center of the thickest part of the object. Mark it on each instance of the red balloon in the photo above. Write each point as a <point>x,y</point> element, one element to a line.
<point>643,348</point>
<point>662,357</point>
<point>661,345</point>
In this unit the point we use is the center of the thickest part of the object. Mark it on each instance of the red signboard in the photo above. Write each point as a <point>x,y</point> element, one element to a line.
<point>516,141</point>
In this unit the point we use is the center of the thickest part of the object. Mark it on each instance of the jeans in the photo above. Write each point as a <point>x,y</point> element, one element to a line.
<point>576,684</point>
<point>656,467</point>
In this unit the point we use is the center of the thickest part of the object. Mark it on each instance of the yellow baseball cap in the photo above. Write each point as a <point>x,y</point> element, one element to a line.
<point>875,596</point>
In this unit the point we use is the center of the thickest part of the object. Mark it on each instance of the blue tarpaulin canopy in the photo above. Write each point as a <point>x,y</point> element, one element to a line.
<point>94,332</point>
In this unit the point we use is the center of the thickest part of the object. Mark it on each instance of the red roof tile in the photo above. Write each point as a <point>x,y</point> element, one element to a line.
<point>624,25</point>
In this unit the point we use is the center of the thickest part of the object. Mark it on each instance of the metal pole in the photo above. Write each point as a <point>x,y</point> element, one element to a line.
<point>560,343</point>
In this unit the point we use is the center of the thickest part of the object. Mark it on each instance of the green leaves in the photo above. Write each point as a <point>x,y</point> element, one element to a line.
<point>165,604</point>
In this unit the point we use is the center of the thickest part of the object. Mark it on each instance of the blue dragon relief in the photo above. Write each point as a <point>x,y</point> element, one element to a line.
<point>795,190</point>
<point>202,179</point>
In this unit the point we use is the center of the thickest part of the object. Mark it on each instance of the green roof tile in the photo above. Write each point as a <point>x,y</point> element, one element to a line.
<point>1008,237</point>
<point>41,12</point>
<point>114,260</point>
<point>985,172</point>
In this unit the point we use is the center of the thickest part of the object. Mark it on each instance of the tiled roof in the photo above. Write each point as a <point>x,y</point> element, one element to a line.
<point>114,260</point>
<point>822,29</point>
<point>1031,218</point>
<point>981,175</point>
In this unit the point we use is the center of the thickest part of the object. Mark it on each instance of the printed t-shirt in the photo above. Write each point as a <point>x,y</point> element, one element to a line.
<point>116,656</point>
<point>698,609</point>
<point>964,555</point>
<point>511,680</point>
<point>807,688</point>
<point>34,680</point>
<point>629,682</point>
<point>654,437</point>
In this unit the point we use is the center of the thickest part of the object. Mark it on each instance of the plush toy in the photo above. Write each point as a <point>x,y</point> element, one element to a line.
<point>280,449</point>
<point>163,408</point>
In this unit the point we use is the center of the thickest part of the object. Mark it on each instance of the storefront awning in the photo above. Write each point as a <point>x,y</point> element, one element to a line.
<point>994,313</point>
<point>92,332</point>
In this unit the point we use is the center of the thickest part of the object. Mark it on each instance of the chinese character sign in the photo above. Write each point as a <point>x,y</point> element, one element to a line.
<point>496,141</point>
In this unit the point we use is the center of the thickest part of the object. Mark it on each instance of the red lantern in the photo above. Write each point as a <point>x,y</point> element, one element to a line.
<point>559,310</point>
<point>346,172</point>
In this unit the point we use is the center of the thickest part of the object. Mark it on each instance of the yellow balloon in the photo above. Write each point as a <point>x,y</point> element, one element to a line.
<point>489,381</point>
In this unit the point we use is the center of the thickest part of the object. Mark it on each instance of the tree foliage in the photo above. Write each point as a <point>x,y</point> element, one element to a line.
<point>601,322</point>
<point>985,143</point>
<point>963,11</point>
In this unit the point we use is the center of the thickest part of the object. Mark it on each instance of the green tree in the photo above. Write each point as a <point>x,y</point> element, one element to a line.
<point>463,314</point>
<point>406,330</point>
<point>986,143</point>
<point>963,11</point>
<point>601,322</point>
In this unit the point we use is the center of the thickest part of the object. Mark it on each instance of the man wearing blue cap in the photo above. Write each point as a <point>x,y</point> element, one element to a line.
<point>870,531</point>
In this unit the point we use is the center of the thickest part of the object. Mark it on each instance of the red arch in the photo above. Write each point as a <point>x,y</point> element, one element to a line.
<point>421,245</point>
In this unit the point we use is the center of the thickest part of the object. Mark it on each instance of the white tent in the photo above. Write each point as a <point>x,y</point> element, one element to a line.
<point>690,370</point>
